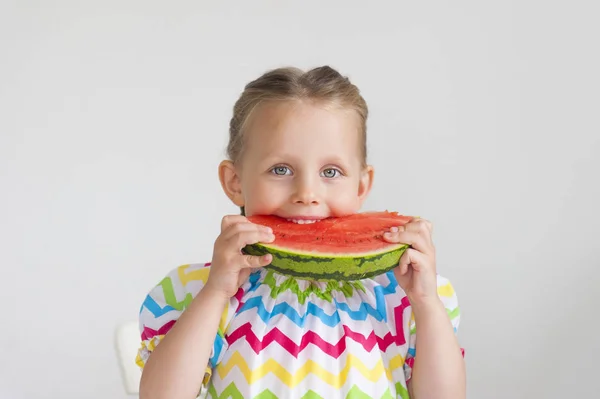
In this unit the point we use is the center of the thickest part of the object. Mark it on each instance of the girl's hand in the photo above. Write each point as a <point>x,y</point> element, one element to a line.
<point>230,267</point>
<point>416,273</point>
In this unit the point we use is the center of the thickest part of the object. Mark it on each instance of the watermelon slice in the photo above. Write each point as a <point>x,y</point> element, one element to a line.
<point>344,248</point>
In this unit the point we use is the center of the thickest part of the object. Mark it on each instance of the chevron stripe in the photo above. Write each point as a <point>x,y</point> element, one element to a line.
<point>145,348</point>
<point>365,309</point>
<point>356,393</point>
<point>361,314</point>
<point>238,296</point>
<point>171,299</point>
<point>291,284</point>
<point>217,348</point>
<point>231,391</point>
<point>446,290</point>
<point>310,367</point>
<point>288,311</point>
<point>195,275</point>
<point>453,313</point>
<point>399,320</point>
<point>169,290</point>
<point>155,308</point>
<point>150,333</point>
<point>311,337</point>
<point>401,391</point>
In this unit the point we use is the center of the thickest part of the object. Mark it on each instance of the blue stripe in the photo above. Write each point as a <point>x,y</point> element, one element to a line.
<point>291,313</point>
<point>364,310</point>
<point>154,307</point>
<point>218,346</point>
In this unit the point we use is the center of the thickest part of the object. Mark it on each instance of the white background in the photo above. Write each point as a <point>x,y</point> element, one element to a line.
<point>114,116</point>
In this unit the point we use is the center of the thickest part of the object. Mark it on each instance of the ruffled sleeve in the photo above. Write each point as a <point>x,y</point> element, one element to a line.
<point>167,301</point>
<point>449,299</point>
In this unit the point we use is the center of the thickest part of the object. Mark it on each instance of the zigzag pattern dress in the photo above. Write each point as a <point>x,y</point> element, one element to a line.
<point>284,337</point>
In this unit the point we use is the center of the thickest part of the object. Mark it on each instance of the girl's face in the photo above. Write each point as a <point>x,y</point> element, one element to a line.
<point>300,161</point>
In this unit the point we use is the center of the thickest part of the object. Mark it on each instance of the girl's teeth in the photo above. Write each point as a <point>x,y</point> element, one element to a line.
<point>302,221</point>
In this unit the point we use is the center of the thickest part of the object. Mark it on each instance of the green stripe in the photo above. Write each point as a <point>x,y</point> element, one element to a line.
<point>355,393</point>
<point>171,299</point>
<point>401,391</point>
<point>453,313</point>
<point>346,287</point>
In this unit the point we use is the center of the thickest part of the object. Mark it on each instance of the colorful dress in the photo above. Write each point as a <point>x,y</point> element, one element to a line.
<point>281,336</point>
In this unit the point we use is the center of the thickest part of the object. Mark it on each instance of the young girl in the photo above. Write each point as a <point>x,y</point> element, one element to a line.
<point>297,149</point>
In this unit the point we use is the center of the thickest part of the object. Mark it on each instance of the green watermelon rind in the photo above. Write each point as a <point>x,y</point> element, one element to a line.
<point>329,267</point>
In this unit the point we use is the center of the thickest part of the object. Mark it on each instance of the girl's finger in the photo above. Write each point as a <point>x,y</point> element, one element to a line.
<point>241,228</point>
<point>403,265</point>
<point>230,220</point>
<point>400,235</point>
<point>422,227</point>
<point>250,237</point>
<point>251,261</point>
<point>414,258</point>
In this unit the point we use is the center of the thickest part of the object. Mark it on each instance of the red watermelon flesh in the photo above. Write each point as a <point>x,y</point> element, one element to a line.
<point>360,233</point>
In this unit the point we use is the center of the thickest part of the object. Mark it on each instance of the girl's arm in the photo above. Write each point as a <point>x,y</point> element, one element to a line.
<point>176,367</point>
<point>439,369</point>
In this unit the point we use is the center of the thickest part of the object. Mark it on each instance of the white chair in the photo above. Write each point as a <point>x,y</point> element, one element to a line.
<point>127,343</point>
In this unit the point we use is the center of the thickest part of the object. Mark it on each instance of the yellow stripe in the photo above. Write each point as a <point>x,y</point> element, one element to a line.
<point>139,361</point>
<point>395,363</point>
<point>154,341</point>
<point>223,322</point>
<point>201,275</point>
<point>446,290</point>
<point>150,345</point>
<point>310,367</point>
<point>195,275</point>
<point>207,375</point>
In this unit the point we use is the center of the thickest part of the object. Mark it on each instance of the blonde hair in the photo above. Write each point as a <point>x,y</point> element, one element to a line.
<point>323,84</point>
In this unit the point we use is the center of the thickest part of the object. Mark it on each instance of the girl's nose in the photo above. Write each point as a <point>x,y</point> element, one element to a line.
<point>306,194</point>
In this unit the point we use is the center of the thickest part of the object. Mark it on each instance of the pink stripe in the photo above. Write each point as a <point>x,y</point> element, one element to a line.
<point>238,295</point>
<point>150,333</point>
<point>310,337</point>
<point>398,316</point>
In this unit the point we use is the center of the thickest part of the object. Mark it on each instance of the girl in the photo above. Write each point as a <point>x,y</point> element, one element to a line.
<point>297,149</point>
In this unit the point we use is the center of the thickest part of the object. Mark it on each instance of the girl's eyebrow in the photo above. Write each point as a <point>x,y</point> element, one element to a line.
<point>335,160</point>
<point>282,157</point>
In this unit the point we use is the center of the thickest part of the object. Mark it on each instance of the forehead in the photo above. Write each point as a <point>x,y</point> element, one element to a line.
<point>300,127</point>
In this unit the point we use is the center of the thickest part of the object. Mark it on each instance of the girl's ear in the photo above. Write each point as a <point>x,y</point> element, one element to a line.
<point>230,182</point>
<point>365,183</point>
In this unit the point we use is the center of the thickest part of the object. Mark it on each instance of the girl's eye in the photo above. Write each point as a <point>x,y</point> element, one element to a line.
<point>331,173</point>
<point>281,170</point>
